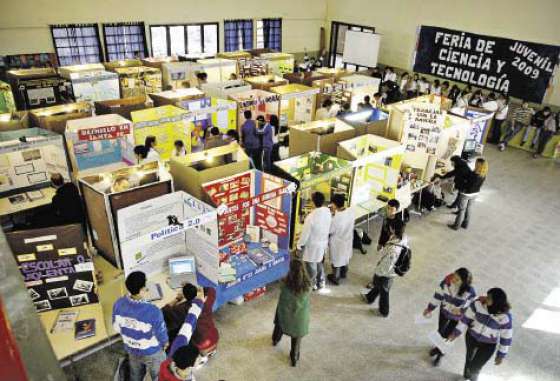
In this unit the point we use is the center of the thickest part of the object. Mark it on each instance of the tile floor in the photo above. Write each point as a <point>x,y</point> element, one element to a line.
<point>513,243</point>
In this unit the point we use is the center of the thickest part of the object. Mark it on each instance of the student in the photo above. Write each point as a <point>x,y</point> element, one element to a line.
<point>365,105</point>
<point>314,240</point>
<point>250,140</point>
<point>459,173</point>
<point>201,78</point>
<point>341,236</point>
<point>66,205</point>
<point>141,153</point>
<point>215,139</point>
<point>490,104</point>
<point>537,123</point>
<point>392,217</point>
<point>378,100</point>
<point>550,127</point>
<point>232,136</point>
<point>389,76</point>
<point>520,119</point>
<point>488,323</point>
<point>324,112</point>
<point>284,148</point>
<point>499,118</point>
<point>233,77</point>
<point>436,88</point>
<point>454,93</point>
<point>477,99</point>
<point>179,149</point>
<point>423,86</point>
<point>467,196</point>
<point>180,366</point>
<point>345,110</point>
<point>462,101</point>
<point>141,327</point>
<point>412,88</point>
<point>292,311</point>
<point>385,269</point>
<point>150,146</point>
<point>453,295</point>
<point>405,79</point>
<point>265,132</point>
<point>444,88</point>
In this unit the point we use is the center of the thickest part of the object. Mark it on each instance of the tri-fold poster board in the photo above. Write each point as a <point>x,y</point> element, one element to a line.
<point>91,82</point>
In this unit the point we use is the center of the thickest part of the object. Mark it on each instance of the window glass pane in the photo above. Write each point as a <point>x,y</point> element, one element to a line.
<point>260,34</point>
<point>211,39</point>
<point>194,39</point>
<point>159,41</point>
<point>177,36</point>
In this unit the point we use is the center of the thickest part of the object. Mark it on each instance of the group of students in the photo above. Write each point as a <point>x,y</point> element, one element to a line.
<point>170,342</point>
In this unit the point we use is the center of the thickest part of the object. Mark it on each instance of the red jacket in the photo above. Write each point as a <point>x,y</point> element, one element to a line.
<point>165,373</point>
<point>206,335</point>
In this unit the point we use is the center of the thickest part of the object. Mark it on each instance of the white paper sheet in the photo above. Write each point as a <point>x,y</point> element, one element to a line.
<point>442,344</point>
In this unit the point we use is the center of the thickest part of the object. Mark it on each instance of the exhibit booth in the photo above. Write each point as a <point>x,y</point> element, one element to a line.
<point>333,72</point>
<point>225,89</point>
<point>172,97</point>
<point>314,172</point>
<point>175,75</point>
<point>112,65</point>
<point>7,102</point>
<point>16,120</point>
<point>278,63</point>
<point>373,121</point>
<point>217,69</point>
<point>167,123</point>
<point>124,106</point>
<point>377,163</point>
<point>99,144</point>
<point>480,123</point>
<point>320,135</point>
<point>266,82</point>
<point>33,88</point>
<point>158,62</point>
<point>54,118</point>
<point>193,170</point>
<point>356,87</point>
<point>259,102</point>
<point>138,80</point>
<point>91,82</point>
<point>105,193</point>
<point>297,103</point>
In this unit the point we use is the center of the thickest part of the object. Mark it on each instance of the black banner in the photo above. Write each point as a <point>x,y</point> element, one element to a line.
<point>517,68</point>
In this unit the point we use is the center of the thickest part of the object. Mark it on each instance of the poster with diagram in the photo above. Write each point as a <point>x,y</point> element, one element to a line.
<point>423,127</point>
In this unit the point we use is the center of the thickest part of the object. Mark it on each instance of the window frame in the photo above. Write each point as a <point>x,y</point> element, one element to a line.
<point>120,24</point>
<point>333,41</point>
<point>262,20</point>
<point>199,24</point>
<point>100,56</point>
<point>240,46</point>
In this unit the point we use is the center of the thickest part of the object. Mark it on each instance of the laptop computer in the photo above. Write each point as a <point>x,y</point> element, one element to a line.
<point>182,270</point>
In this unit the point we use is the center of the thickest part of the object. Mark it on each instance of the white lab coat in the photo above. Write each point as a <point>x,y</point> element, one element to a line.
<point>341,237</point>
<point>152,155</point>
<point>314,238</point>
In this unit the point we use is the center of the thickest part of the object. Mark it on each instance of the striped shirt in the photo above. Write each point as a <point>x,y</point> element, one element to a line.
<point>451,304</point>
<point>140,325</point>
<point>487,328</point>
<point>523,115</point>
<point>185,333</point>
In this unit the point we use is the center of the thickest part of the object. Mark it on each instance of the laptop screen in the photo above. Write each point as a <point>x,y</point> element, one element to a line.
<point>182,266</point>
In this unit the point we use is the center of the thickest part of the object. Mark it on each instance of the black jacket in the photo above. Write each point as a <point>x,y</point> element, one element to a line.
<point>67,205</point>
<point>538,119</point>
<point>473,183</point>
<point>387,223</point>
<point>460,174</point>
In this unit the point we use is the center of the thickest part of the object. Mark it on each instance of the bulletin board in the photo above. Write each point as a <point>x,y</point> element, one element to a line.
<point>279,63</point>
<point>297,103</point>
<point>57,270</point>
<point>139,80</point>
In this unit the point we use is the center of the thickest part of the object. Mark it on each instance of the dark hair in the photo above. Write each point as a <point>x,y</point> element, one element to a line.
<point>378,94</point>
<point>445,83</point>
<point>286,142</point>
<point>260,118</point>
<point>185,356</point>
<point>456,160</point>
<point>346,106</point>
<point>397,228</point>
<point>179,143</point>
<point>466,279</point>
<point>247,114</point>
<point>135,281</point>
<point>233,134</point>
<point>394,203</point>
<point>546,109</point>
<point>297,279</point>
<point>150,139</point>
<point>202,75</point>
<point>367,99</point>
<point>274,122</point>
<point>338,199</point>
<point>318,199</point>
<point>141,151</point>
<point>189,292</point>
<point>436,82</point>
<point>57,179</point>
<point>327,103</point>
<point>215,131</point>
<point>500,304</point>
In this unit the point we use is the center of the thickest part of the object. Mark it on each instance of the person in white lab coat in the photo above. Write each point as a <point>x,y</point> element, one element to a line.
<point>341,238</point>
<point>150,145</point>
<point>314,240</point>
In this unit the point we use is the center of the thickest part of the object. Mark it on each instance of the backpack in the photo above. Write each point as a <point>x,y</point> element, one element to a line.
<point>402,266</point>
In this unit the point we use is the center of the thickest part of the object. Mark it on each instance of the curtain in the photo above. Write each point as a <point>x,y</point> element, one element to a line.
<point>76,44</point>
<point>272,33</point>
<point>124,40</point>
<point>238,35</point>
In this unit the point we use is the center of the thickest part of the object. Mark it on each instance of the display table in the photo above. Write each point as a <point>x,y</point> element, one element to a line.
<point>7,208</point>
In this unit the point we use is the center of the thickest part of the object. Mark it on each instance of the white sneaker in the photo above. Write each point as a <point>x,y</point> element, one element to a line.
<point>201,361</point>
<point>365,291</point>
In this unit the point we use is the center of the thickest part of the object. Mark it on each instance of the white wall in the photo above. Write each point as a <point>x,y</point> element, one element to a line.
<point>24,23</point>
<point>397,21</point>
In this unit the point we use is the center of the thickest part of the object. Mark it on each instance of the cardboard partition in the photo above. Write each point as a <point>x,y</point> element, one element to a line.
<point>56,268</point>
<point>279,63</point>
<point>167,124</point>
<point>112,65</point>
<point>172,97</point>
<point>139,80</point>
<point>320,135</point>
<point>367,122</point>
<point>158,62</point>
<point>259,102</point>
<point>34,88</point>
<point>28,158</point>
<point>240,54</point>
<point>480,123</point>
<point>7,102</point>
<point>124,106</point>
<point>225,89</point>
<point>99,144</point>
<point>191,171</point>
<point>314,172</point>
<point>357,86</point>
<point>14,121</point>
<point>266,82</point>
<point>106,193</point>
<point>254,211</point>
<point>217,69</point>
<point>54,118</point>
<point>175,75</point>
<point>308,78</point>
<point>333,72</point>
<point>91,82</point>
<point>297,103</point>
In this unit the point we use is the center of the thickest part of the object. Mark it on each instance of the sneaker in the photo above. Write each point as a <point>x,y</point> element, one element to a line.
<point>502,147</point>
<point>315,288</point>
<point>332,279</point>
<point>452,227</point>
<point>437,360</point>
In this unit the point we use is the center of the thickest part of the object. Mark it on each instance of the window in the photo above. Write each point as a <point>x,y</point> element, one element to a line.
<point>338,35</point>
<point>124,40</point>
<point>269,34</point>
<point>238,35</point>
<point>184,39</point>
<point>76,44</point>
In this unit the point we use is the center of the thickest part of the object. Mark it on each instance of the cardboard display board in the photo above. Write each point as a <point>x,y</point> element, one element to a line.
<point>28,158</point>
<point>54,118</point>
<point>259,102</point>
<point>33,88</point>
<point>195,169</point>
<point>314,172</point>
<point>297,103</point>
<point>172,97</point>
<point>138,80</point>
<point>377,163</point>
<point>279,63</point>
<point>307,78</point>
<point>105,193</point>
<point>7,102</point>
<point>55,265</point>
<point>167,124</point>
<point>91,82</point>
<point>14,121</point>
<point>158,62</point>
<point>333,72</point>
<point>99,143</point>
<point>320,135</point>
<point>480,123</point>
<point>217,69</point>
<point>367,121</point>
<point>124,106</point>
<point>175,75</point>
<point>254,211</point>
<point>357,86</point>
<point>266,82</point>
<point>112,65</point>
<point>225,89</point>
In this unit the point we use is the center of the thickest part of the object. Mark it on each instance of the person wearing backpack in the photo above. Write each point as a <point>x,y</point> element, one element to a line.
<point>395,250</point>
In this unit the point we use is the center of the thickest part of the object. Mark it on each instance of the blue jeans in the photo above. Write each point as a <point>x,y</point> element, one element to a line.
<point>140,364</point>
<point>511,131</point>
<point>267,159</point>
<point>535,138</point>
<point>465,204</point>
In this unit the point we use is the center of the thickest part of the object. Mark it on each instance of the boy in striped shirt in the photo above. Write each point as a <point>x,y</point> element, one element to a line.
<point>521,119</point>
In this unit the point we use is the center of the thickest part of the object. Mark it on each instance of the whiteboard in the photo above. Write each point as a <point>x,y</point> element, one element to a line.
<point>361,48</point>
